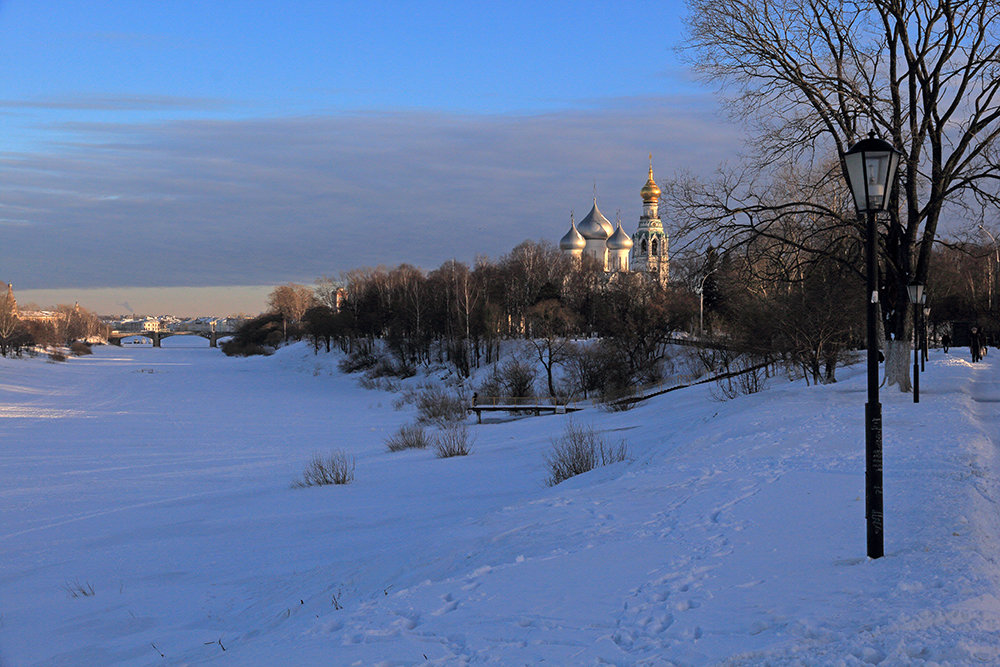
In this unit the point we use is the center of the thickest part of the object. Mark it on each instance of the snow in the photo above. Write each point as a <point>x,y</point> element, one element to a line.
<point>162,479</point>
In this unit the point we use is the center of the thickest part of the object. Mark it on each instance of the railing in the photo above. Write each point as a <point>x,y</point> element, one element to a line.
<point>634,395</point>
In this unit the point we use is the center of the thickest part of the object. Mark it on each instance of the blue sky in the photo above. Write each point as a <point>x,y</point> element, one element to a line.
<point>214,144</point>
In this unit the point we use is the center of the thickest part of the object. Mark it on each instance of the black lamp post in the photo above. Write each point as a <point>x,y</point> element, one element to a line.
<point>916,294</point>
<point>871,170</point>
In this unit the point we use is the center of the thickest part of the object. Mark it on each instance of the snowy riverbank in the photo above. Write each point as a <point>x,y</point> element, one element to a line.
<point>160,478</point>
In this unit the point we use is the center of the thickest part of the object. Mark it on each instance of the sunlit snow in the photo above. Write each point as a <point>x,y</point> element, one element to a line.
<point>160,479</point>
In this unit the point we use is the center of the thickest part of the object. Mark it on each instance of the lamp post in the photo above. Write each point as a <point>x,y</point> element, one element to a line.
<point>916,293</point>
<point>871,170</point>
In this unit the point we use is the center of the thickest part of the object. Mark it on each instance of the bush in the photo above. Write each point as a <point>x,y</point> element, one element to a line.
<point>580,449</point>
<point>77,590</point>
<point>387,367</point>
<point>380,384</point>
<point>409,436</point>
<point>338,468</point>
<point>518,378</point>
<point>436,405</point>
<point>749,379</point>
<point>453,441</point>
<point>357,361</point>
<point>619,399</point>
<point>492,384</point>
<point>237,348</point>
<point>255,335</point>
<point>57,356</point>
<point>79,348</point>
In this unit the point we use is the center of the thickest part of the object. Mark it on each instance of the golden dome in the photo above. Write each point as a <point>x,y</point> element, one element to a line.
<point>650,191</point>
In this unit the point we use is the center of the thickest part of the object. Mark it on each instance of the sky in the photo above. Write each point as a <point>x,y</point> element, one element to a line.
<point>150,148</point>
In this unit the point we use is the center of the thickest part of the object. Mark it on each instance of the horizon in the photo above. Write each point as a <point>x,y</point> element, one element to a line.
<point>195,150</point>
<point>182,302</point>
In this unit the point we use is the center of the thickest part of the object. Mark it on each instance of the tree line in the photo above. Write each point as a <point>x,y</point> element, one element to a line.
<point>769,300</point>
<point>67,325</point>
<point>460,315</point>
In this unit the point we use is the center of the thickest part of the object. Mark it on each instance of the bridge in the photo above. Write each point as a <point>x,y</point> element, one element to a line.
<point>213,336</point>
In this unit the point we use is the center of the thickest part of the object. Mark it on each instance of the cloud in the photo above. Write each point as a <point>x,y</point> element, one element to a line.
<point>236,202</point>
<point>116,103</point>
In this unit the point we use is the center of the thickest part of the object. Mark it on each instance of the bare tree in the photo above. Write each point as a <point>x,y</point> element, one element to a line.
<point>291,301</point>
<point>9,323</point>
<point>638,317</point>
<point>551,323</point>
<point>811,77</point>
<point>329,292</point>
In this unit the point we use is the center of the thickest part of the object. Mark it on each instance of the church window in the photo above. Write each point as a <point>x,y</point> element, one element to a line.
<point>654,247</point>
<point>644,246</point>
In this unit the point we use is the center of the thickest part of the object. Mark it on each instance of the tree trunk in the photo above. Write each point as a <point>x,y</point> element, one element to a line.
<point>897,364</point>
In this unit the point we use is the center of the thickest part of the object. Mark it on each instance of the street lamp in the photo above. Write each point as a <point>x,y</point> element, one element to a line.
<point>701,302</point>
<point>916,293</point>
<point>871,170</point>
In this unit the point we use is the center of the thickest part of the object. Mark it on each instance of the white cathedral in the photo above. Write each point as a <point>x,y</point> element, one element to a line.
<point>646,251</point>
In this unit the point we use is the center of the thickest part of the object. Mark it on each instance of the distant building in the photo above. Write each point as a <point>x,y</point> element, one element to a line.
<point>139,325</point>
<point>646,251</point>
<point>41,316</point>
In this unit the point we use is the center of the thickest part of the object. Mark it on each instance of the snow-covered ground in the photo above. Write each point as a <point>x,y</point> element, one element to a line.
<point>160,480</point>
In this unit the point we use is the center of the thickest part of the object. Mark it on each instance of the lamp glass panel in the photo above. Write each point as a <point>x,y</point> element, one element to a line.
<point>856,179</point>
<point>876,169</point>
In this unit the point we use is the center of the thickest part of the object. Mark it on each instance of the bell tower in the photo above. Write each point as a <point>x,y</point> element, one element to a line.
<point>10,302</point>
<point>650,244</point>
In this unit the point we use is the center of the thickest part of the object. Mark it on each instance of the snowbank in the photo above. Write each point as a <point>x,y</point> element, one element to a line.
<point>161,480</point>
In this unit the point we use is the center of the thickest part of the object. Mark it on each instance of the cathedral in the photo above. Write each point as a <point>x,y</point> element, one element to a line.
<point>646,251</point>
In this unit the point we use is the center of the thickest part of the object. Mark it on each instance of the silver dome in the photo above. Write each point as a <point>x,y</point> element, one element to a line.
<point>573,240</point>
<point>595,225</point>
<point>619,240</point>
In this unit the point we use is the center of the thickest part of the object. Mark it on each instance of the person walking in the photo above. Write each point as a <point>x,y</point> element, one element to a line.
<point>976,344</point>
<point>946,342</point>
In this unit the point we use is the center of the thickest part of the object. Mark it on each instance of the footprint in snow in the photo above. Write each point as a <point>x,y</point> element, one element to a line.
<point>408,620</point>
<point>450,604</point>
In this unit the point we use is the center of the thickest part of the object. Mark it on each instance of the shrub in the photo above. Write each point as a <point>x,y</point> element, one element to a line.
<point>79,348</point>
<point>274,338</point>
<point>338,468</point>
<point>380,383</point>
<point>77,590</point>
<point>578,450</point>
<point>255,335</point>
<point>357,361</point>
<point>237,348</point>
<point>409,436</point>
<point>518,378</point>
<point>453,441</point>
<point>620,401</point>
<point>492,385</point>
<point>436,405</point>
<point>750,379</point>
<point>388,367</point>
<point>57,356</point>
